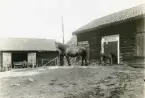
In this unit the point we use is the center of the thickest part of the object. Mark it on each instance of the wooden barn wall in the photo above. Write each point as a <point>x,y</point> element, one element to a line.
<point>140,41</point>
<point>140,37</point>
<point>127,39</point>
<point>126,33</point>
<point>94,43</point>
<point>46,56</point>
<point>140,25</point>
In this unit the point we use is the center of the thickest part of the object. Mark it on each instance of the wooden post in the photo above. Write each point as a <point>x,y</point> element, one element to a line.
<point>55,61</point>
<point>62,29</point>
<point>42,62</point>
<point>33,64</point>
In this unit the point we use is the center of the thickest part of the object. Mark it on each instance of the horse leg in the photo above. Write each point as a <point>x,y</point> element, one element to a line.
<point>111,61</point>
<point>86,63</point>
<point>83,61</point>
<point>77,59</point>
<point>61,57</point>
<point>102,60</point>
<point>68,60</point>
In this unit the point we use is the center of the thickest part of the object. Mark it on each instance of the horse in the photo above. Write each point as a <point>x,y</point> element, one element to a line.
<point>71,51</point>
<point>104,57</point>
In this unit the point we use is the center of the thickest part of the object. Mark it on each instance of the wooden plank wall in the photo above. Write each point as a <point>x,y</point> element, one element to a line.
<point>129,42</point>
<point>95,48</point>
<point>127,47</point>
<point>140,44</point>
<point>94,44</point>
<point>126,32</point>
<point>140,37</point>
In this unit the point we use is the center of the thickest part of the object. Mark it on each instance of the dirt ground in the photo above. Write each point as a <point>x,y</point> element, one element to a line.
<point>73,82</point>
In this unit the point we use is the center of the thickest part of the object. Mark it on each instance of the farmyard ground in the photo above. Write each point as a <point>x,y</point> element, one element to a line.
<point>73,82</point>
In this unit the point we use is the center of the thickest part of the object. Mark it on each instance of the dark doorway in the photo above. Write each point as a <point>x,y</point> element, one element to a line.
<point>18,57</point>
<point>111,47</point>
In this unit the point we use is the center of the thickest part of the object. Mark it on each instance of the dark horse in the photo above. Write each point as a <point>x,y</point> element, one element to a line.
<point>110,56</point>
<point>69,51</point>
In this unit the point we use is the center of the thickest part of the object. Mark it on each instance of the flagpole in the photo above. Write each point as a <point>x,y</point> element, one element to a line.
<point>62,29</point>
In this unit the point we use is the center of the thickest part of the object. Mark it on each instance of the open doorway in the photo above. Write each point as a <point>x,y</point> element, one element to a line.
<point>18,57</point>
<point>110,44</point>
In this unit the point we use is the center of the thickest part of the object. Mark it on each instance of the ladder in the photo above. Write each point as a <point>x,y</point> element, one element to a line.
<point>55,61</point>
<point>51,62</point>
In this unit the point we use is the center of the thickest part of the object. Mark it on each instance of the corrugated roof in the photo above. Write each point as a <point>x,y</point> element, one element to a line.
<point>115,17</point>
<point>27,44</point>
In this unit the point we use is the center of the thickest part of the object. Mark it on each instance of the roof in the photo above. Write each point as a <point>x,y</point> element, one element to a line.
<point>127,14</point>
<point>27,44</point>
<point>72,41</point>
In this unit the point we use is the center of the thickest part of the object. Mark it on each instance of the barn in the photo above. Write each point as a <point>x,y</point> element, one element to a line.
<point>122,33</point>
<point>32,50</point>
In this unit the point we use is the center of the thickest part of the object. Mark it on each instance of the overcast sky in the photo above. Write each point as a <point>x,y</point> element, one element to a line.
<point>42,18</point>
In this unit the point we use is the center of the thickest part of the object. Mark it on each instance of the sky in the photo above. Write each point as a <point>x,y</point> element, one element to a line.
<point>42,18</point>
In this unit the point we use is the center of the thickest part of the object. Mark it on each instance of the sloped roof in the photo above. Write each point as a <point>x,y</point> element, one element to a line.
<point>27,44</point>
<point>130,13</point>
<point>72,41</point>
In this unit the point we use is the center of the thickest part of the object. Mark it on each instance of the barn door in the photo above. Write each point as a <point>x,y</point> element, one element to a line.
<point>7,60</point>
<point>110,44</point>
<point>32,59</point>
